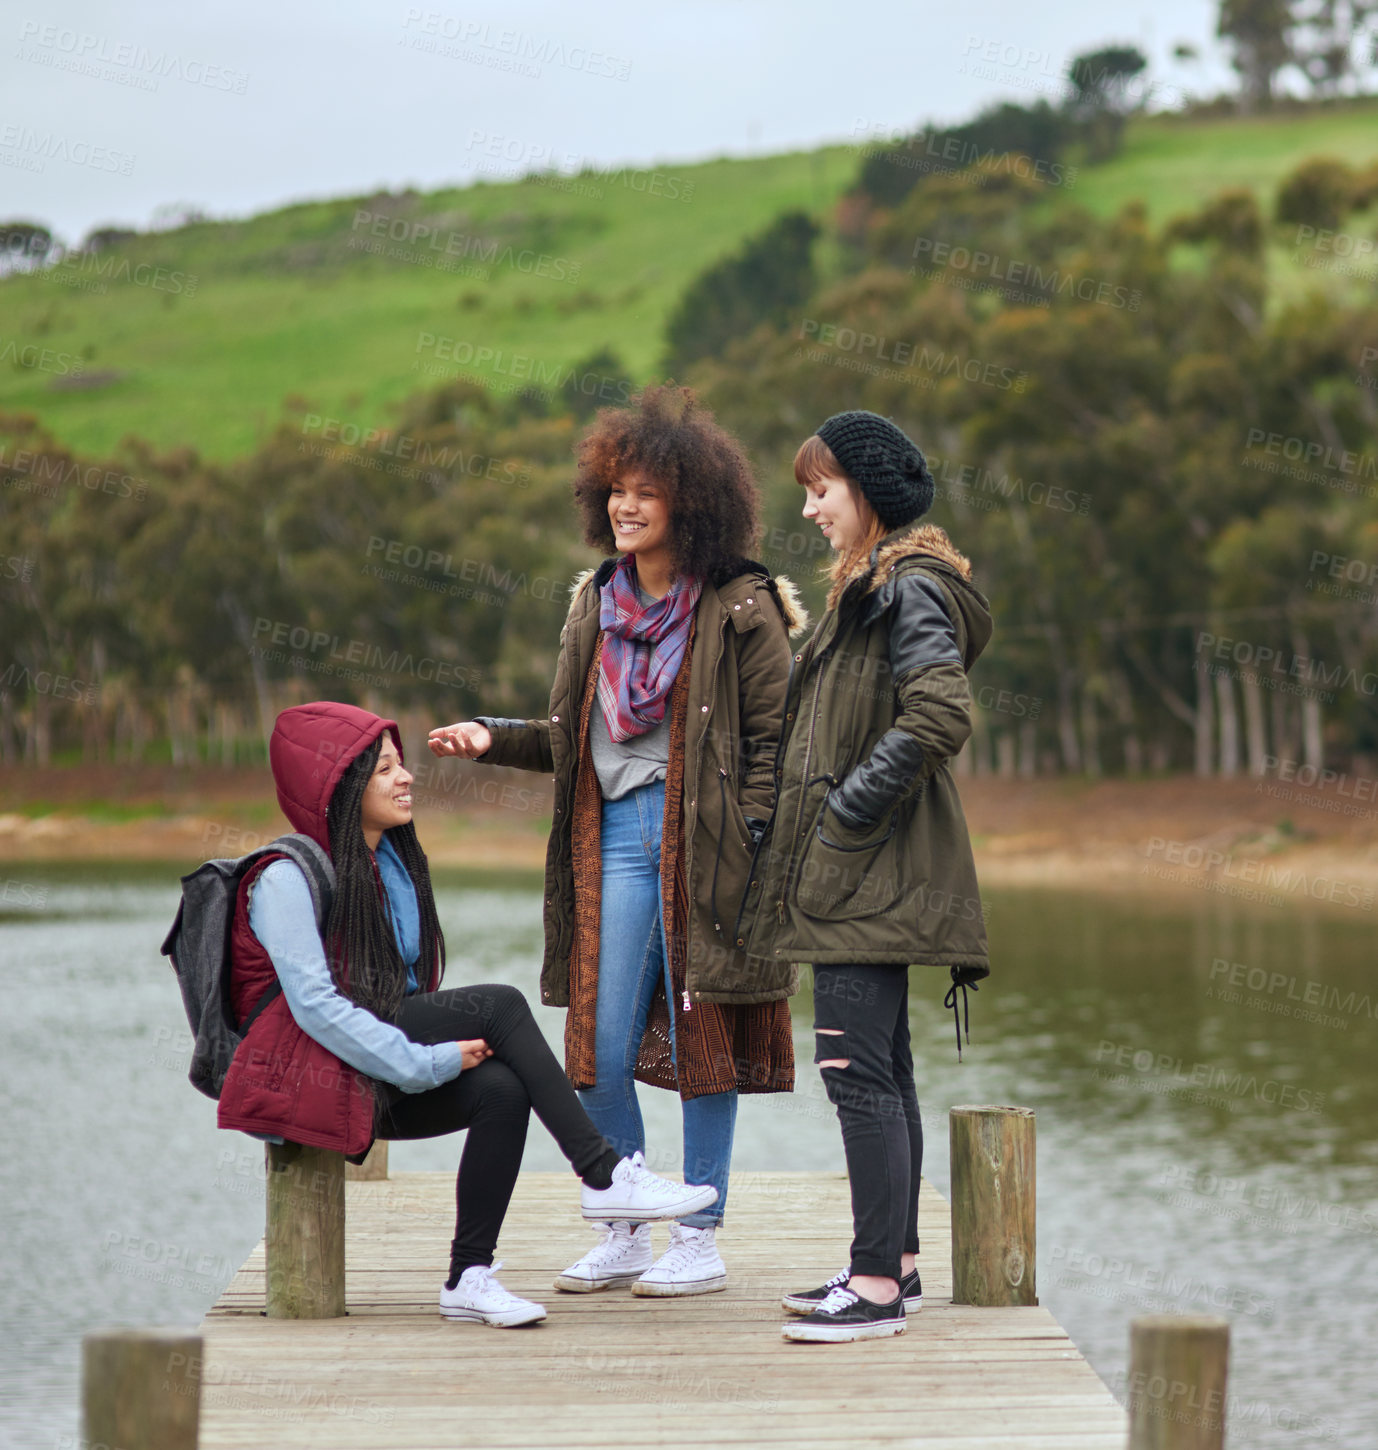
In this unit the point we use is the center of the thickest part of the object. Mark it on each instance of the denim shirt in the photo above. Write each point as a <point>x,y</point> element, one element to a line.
<point>401,901</point>
<point>282,918</point>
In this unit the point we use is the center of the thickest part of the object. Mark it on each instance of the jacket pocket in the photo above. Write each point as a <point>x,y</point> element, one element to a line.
<point>845,874</point>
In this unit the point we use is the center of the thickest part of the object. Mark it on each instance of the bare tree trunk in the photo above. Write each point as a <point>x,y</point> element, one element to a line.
<point>1255,735</point>
<point>1229,726</point>
<point>1004,750</point>
<point>8,753</point>
<point>1204,724</point>
<point>1067,721</point>
<point>1028,749</point>
<point>263,693</point>
<point>1122,700</point>
<point>1313,744</point>
<point>1284,729</point>
<point>1090,731</point>
<point>1159,752</point>
<point>1159,756</point>
<point>96,711</point>
<point>128,730</point>
<point>1312,736</point>
<point>174,732</point>
<point>228,721</point>
<point>90,737</point>
<point>42,730</point>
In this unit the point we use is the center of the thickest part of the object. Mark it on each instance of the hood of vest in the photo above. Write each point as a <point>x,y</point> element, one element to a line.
<point>311,747</point>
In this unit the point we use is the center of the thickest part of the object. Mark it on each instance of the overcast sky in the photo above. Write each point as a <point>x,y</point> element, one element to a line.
<point>108,113</point>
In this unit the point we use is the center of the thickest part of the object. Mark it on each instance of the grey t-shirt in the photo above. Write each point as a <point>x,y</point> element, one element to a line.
<point>624,766</point>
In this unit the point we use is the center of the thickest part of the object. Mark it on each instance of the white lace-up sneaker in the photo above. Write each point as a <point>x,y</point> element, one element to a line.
<point>478,1295</point>
<point>621,1256</point>
<point>641,1196</point>
<point>691,1265</point>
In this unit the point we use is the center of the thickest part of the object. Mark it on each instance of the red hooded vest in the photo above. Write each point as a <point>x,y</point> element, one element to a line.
<point>280,1080</point>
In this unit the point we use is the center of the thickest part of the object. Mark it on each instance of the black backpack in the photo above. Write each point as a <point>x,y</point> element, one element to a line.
<point>199,946</point>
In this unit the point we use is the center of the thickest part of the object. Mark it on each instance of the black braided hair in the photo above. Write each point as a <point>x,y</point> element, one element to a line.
<point>360,946</point>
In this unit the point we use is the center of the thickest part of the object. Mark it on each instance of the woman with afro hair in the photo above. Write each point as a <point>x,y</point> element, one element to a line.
<point>667,703</point>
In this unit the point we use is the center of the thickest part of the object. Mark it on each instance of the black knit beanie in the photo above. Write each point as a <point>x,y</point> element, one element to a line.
<point>885,462</point>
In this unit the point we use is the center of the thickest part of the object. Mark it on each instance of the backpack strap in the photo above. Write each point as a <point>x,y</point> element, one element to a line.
<point>317,867</point>
<point>264,1002</point>
<point>319,871</point>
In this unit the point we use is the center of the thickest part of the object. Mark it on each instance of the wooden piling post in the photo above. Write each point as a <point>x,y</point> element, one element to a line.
<point>374,1168</point>
<point>1178,1364</point>
<point>141,1389</point>
<point>304,1239</point>
<point>993,1205</point>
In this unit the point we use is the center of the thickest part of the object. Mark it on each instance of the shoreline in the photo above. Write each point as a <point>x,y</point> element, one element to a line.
<point>1246,838</point>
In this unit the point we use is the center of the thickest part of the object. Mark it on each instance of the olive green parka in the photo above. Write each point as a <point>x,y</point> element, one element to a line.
<point>867,857</point>
<point>737,686</point>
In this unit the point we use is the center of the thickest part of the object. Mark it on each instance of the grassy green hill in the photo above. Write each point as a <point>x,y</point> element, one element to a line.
<point>290,303</point>
<point>1176,164</point>
<point>243,315</point>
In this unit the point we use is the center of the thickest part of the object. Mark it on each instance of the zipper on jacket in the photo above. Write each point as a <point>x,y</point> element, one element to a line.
<point>756,849</point>
<point>688,839</point>
<point>717,855</point>
<point>808,756</point>
<point>781,740</point>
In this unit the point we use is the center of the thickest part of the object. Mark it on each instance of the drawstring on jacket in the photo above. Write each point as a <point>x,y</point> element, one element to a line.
<point>964,1022</point>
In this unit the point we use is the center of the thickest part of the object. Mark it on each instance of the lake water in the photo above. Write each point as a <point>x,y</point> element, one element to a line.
<point>1202,1072</point>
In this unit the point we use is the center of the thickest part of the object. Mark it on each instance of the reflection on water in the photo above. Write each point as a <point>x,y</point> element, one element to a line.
<point>1202,1075</point>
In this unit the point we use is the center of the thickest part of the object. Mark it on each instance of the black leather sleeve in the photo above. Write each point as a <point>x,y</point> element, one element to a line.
<point>931,703</point>
<point>868,791</point>
<point>921,629</point>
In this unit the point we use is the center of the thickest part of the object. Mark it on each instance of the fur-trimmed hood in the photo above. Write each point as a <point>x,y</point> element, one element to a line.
<point>872,582</point>
<point>792,609</point>
<point>903,543</point>
<point>923,539</point>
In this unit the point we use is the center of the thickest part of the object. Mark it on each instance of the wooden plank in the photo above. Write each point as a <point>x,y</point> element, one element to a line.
<point>611,1366</point>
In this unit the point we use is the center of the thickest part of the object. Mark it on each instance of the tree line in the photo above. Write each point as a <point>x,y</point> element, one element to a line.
<point>1165,473</point>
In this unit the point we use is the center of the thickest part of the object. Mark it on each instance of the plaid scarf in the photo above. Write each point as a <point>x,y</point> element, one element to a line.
<point>643,646</point>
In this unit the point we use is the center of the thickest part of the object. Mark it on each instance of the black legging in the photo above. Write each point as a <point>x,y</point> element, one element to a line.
<point>494,1101</point>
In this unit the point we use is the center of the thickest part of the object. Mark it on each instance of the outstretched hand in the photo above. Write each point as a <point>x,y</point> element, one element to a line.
<point>473,1052</point>
<point>468,738</point>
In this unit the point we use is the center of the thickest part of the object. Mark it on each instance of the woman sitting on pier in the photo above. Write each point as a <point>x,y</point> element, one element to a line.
<point>362,1043</point>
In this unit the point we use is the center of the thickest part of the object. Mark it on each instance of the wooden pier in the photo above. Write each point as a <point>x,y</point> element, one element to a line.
<point>610,1369</point>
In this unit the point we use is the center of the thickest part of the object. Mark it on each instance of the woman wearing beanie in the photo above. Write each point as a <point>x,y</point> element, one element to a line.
<point>350,1036</point>
<point>661,735</point>
<point>866,865</point>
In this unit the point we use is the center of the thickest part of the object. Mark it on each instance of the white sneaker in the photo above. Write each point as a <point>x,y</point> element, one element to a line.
<point>641,1196</point>
<point>621,1256</point>
<point>691,1265</point>
<point>478,1295</point>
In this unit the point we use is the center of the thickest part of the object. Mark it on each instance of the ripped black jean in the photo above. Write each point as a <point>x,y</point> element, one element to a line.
<point>877,1105</point>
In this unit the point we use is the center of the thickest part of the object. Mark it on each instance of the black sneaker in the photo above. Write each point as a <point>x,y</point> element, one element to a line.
<point>844,1315</point>
<point>911,1291</point>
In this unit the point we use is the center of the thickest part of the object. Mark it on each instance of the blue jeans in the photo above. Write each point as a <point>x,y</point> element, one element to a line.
<point>632,959</point>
